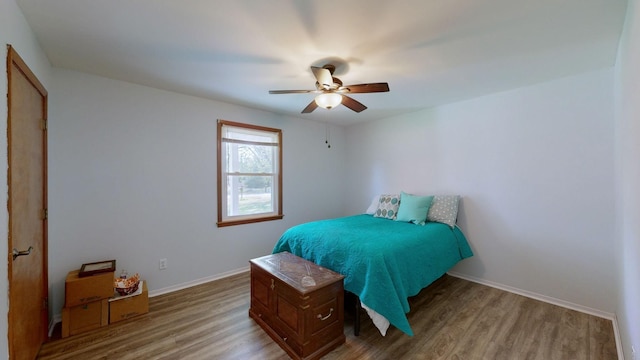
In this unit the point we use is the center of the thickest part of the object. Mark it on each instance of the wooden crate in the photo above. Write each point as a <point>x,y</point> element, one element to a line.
<point>82,290</point>
<point>131,306</point>
<point>85,317</point>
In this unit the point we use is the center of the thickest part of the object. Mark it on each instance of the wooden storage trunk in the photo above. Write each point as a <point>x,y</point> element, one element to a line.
<point>298,303</point>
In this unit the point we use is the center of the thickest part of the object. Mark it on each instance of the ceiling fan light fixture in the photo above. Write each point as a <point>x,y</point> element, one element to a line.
<point>332,93</point>
<point>328,100</point>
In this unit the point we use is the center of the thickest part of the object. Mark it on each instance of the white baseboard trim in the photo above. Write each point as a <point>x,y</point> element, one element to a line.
<point>57,318</point>
<point>536,296</point>
<point>200,281</point>
<point>551,300</point>
<point>616,333</point>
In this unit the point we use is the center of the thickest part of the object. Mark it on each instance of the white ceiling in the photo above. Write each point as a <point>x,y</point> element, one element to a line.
<point>430,52</point>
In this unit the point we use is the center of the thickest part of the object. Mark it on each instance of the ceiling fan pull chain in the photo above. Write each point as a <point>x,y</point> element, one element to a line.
<point>326,136</point>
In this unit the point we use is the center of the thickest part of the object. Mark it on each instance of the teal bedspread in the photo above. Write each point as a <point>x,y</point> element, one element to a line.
<point>384,261</point>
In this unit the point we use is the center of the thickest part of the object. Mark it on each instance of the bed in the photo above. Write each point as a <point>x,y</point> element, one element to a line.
<point>384,261</point>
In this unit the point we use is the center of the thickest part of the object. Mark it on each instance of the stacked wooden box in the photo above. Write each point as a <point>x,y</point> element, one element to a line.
<point>126,307</point>
<point>86,304</point>
<point>90,303</point>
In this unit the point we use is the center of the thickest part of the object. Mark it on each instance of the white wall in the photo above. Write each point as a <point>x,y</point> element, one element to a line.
<point>535,169</point>
<point>132,176</point>
<point>15,31</point>
<point>628,171</point>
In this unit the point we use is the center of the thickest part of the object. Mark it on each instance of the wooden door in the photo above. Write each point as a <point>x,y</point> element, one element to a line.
<point>27,204</point>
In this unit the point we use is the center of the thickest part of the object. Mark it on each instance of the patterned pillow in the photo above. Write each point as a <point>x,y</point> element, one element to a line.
<point>388,206</point>
<point>444,209</point>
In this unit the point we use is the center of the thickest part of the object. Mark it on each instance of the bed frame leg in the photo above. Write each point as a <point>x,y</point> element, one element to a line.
<point>356,321</point>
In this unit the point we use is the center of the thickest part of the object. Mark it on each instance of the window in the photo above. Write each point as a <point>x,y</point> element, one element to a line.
<point>249,173</point>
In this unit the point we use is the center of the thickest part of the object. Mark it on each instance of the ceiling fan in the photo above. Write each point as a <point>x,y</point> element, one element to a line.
<point>332,93</point>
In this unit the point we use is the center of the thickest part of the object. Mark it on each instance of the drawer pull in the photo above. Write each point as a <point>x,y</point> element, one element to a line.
<point>273,285</point>
<point>323,318</point>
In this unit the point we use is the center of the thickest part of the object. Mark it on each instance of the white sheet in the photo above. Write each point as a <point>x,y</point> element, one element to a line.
<point>379,321</point>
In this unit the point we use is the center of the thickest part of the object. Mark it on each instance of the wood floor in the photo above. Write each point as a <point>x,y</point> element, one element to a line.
<point>451,319</point>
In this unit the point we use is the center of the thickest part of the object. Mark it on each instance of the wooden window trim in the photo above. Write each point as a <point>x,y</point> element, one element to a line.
<point>254,219</point>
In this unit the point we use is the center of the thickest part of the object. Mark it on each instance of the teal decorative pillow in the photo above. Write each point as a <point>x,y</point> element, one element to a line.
<point>388,206</point>
<point>414,208</point>
<point>444,209</point>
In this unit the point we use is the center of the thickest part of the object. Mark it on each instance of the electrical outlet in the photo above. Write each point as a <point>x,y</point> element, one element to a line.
<point>162,264</point>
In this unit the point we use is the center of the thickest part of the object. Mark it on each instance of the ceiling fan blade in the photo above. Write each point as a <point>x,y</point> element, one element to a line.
<point>367,88</point>
<point>352,104</point>
<point>292,91</point>
<point>312,106</point>
<point>322,75</point>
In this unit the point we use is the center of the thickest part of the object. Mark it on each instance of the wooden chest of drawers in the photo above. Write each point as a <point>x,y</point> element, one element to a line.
<point>298,303</point>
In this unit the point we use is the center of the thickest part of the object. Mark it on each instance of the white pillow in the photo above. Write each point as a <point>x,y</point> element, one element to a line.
<point>374,205</point>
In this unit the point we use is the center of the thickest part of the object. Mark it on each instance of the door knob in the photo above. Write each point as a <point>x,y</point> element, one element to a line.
<point>17,253</point>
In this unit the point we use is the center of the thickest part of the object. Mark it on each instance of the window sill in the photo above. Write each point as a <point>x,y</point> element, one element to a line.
<point>248,221</point>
